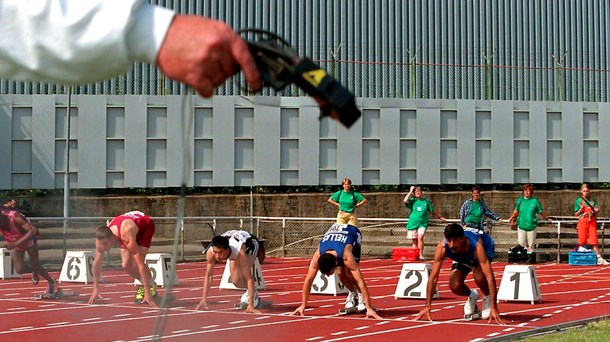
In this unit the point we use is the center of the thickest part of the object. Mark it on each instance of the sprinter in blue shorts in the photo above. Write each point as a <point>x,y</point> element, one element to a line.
<point>470,250</point>
<point>339,251</point>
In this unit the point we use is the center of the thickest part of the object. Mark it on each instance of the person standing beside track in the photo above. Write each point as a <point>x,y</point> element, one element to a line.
<point>134,232</point>
<point>347,200</point>
<point>240,249</point>
<point>474,210</point>
<point>586,209</point>
<point>526,211</point>
<point>418,219</point>
<point>339,251</point>
<point>470,251</point>
<point>21,236</point>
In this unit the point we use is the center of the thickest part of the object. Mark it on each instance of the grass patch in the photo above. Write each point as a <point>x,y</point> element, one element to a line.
<point>592,332</point>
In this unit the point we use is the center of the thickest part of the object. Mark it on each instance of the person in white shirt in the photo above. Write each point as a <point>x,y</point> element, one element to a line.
<point>76,42</point>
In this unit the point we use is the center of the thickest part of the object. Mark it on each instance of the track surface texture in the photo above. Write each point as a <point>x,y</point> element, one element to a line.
<point>569,294</point>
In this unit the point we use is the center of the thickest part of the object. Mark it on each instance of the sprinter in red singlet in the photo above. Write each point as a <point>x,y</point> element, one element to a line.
<point>133,231</point>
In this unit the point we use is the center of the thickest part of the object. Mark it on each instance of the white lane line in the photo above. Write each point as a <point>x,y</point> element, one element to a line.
<point>15,309</point>
<point>180,331</point>
<point>91,319</point>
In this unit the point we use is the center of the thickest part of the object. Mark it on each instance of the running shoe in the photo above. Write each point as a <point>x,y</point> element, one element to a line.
<point>602,261</point>
<point>471,303</point>
<point>350,302</point>
<point>35,278</point>
<point>361,306</point>
<point>244,298</point>
<point>486,307</point>
<point>139,295</point>
<point>153,290</point>
<point>52,287</point>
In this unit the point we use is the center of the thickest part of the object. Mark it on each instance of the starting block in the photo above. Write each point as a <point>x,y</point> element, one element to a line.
<point>160,265</point>
<point>413,281</point>
<point>519,283</point>
<point>77,267</point>
<point>257,272</point>
<point>7,270</point>
<point>323,284</point>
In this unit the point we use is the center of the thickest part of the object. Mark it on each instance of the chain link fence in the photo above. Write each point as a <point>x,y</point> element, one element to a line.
<point>293,236</point>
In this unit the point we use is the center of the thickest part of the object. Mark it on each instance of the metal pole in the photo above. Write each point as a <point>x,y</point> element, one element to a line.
<point>559,242</point>
<point>67,173</point>
<point>283,237</point>
<point>603,240</point>
<point>251,211</point>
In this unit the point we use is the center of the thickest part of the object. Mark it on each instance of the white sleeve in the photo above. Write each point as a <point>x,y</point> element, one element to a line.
<point>78,41</point>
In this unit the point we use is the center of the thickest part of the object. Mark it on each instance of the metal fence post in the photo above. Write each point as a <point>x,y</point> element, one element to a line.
<point>559,242</point>
<point>603,240</point>
<point>283,237</point>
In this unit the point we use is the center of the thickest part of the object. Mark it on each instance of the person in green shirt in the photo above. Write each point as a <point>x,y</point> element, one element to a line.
<point>474,209</point>
<point>347,200</point>
<point>526,211</point>
<point>586,209</point>
<point>418,219</point>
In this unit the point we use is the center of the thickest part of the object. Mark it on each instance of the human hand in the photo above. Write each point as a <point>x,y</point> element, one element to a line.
<point>495,315</point>
<point>94,295</point>
<point>148,299</point>
<point>370,312</point>
<point>425,311</point>
<point>251,309</point>
<point>411,189</point>
<point>203,53</point>
<point>203,304</point>
<point>299,311</point>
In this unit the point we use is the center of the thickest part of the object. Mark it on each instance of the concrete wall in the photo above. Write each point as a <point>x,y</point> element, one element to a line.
<point>384,205</point>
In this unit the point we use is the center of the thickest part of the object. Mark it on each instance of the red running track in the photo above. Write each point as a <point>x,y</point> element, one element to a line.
<point>569,293</point>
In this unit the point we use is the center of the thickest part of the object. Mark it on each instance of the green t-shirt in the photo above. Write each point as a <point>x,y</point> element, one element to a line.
<point>528,209</point>
<point>591,201</point>
<point>420,208</point>
<point>474,216</point>
<point>347,200</point>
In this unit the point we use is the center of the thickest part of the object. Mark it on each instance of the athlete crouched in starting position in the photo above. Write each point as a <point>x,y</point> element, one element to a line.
<point>240,249</point>
<point>339,251</point>
<point>134,232</point>
<point>20,236</point>
<point>470,250</point>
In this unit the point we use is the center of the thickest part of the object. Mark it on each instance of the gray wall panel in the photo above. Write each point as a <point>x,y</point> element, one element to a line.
<point>267,142</point>
<point>224,134</point>
<point>309,142</point>
<point>466,121</point>
<point>502,142</point>
<point>604,141</point>
<point>6,113</point>
<point>177,134</point>
<point>428,147</point>
<point>538,139</point>
<point>43,136</point>
<point>91,147</point>
<point>572,142</point>
<point>390,138</point>
<point>349,152</point>
<point>135,141</point>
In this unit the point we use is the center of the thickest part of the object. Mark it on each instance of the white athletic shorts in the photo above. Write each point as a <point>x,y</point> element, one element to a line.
<point>414,233</point>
